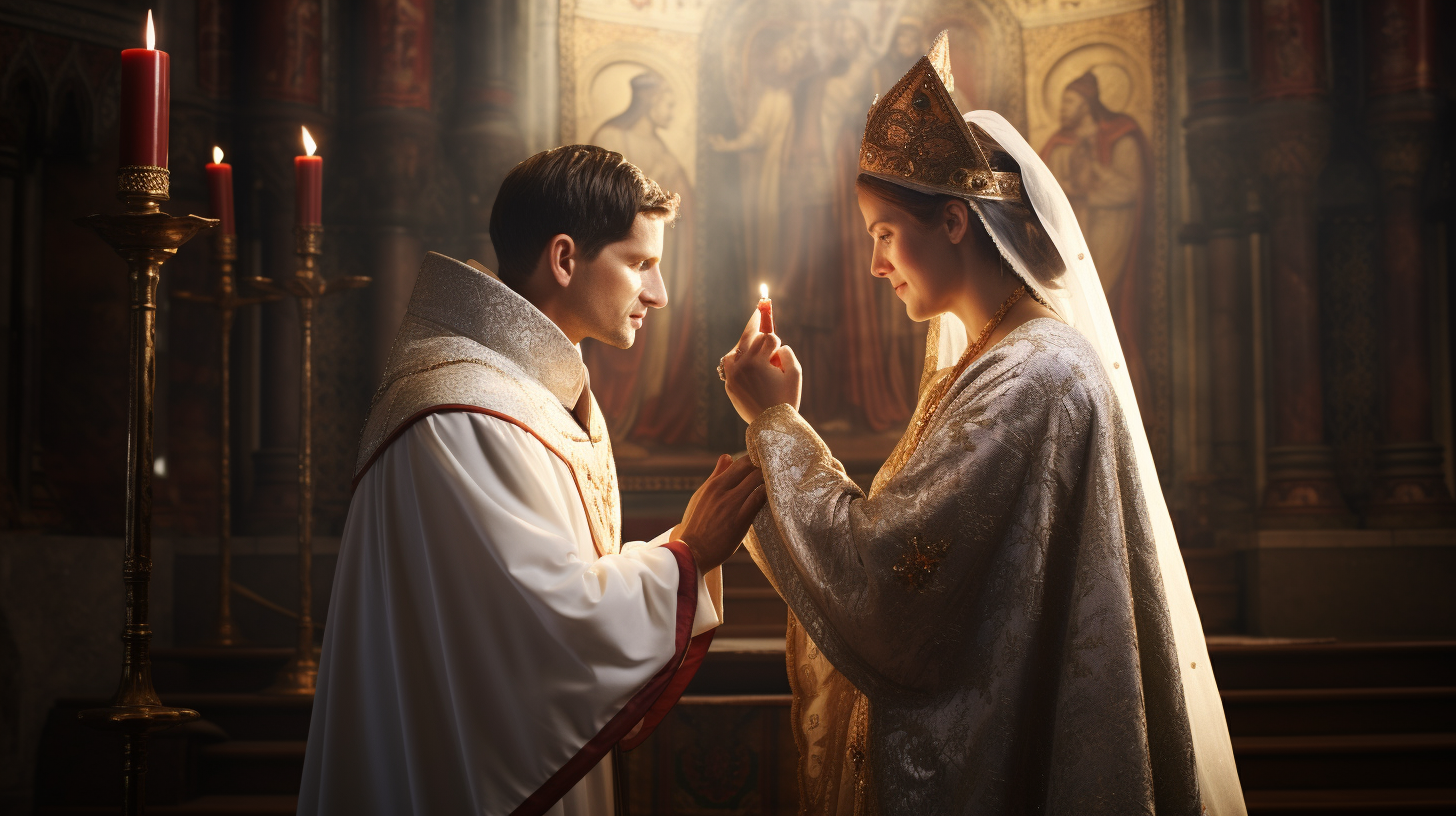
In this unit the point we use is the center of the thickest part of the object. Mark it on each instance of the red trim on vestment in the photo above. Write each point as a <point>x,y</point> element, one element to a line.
<point>643,703</point>
<point>697,650</point>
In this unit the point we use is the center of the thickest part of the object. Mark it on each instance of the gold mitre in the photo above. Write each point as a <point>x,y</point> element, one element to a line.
<point>915,137</point>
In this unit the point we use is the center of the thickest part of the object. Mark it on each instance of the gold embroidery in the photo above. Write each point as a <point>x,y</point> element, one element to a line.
<point>918,562</point>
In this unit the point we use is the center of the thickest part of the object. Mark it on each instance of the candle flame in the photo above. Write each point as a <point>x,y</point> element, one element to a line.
<point>763,290</point>
<point>308,142</point>
<point>216,155</point>
<point>151,33</point>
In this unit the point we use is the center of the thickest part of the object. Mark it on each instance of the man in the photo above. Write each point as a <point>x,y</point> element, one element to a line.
<point>641,390</point>
<point>489,639</point>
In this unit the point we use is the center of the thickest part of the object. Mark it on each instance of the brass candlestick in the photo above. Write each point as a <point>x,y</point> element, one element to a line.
<point>225,254</point>
<point>145,237</point>
<point>300,676</point>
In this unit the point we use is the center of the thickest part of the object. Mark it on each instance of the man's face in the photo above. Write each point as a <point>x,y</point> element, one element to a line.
<point>610,294</point>
<point>1074,108</point>
<point>663,105</point>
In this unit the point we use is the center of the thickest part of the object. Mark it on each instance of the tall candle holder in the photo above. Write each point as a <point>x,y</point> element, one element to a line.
<point>308,286</point>
<point>227,302</point>
<point>145,237</point>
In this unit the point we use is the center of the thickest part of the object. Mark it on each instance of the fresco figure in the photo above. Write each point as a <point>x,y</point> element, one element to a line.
<point>877,344</point>
<point>649,392</point>
<point>906,46</point>
<point>790,206</point>
<point>1102,161</point>
<point>768,136</point>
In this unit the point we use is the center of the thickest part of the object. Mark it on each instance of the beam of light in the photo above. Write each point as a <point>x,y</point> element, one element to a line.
<point>216,155</point>
<point>308,142</point>
<point>151,33</point>
<point>763,290</point>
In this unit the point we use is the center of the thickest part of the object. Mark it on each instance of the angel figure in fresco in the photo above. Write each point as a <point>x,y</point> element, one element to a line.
<point>1002,623</point>
<point>647,392</point>
<point>1101,159</point>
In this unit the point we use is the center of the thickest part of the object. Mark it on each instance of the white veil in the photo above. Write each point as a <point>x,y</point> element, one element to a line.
<point>1077,298</point>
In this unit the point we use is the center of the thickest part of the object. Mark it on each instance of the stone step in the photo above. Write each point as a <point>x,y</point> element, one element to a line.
<point>251,716</point>
<point>252,767</point>
<point>1425,801</point>
<point>1249,663</point>
<point>1335,761</point>
<point>759,607</point>
<point>236,805</point>
<point>217,668</point>
<point>1211,566</point>
<point>1220,607</point>
<point>1275,712</point>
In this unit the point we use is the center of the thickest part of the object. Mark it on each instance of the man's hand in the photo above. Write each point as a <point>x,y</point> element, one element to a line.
<point>721,511</point>
<point>761,373</point>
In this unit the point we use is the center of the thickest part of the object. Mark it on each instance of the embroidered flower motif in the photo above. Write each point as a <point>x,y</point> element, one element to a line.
<point>919,560</point>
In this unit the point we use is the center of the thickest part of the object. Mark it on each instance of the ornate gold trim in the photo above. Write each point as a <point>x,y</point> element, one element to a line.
<point>143,181</point>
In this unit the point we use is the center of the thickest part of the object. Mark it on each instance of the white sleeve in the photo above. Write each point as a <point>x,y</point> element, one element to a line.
<point>710,588</point>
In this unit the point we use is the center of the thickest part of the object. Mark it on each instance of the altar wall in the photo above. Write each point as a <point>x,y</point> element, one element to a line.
<point>752,111</point>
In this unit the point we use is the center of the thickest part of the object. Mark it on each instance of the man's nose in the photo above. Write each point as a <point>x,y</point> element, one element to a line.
<point>654,291</point>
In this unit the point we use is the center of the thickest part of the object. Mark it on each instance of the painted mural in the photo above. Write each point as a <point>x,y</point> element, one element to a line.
<point>752,110</point>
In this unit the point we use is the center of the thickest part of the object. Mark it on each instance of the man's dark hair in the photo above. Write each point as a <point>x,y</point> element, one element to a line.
<point>585,191</point>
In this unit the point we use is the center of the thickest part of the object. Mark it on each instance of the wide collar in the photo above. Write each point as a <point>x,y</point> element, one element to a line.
<point>473,304</point>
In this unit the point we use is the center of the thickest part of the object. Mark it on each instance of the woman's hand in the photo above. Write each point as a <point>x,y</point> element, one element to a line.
<point>721,511</point>
<point>761,373</point>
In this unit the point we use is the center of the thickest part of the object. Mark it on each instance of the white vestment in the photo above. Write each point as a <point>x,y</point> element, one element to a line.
<point>488,642</point>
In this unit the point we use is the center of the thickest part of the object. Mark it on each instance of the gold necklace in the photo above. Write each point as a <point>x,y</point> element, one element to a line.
<point>971,352</point>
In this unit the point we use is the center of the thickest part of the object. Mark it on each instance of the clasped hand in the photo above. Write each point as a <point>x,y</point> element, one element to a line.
<point>720,512</point>
<point>760,372</point>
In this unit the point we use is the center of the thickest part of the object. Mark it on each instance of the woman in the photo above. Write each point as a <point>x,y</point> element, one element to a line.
<point>1003,624</point>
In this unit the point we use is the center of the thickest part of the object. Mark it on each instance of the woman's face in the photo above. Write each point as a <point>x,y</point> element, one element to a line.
<point>921,262</point>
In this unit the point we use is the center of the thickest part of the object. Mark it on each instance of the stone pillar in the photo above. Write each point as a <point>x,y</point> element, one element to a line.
<point>396,149</point>
<point>284,60</point>
<point>486,139</point>
<point>1290,86</point>
<point>1218,156</point>
<point>1400,38</point>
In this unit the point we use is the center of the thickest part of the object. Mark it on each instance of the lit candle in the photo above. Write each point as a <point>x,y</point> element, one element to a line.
<point>146,93</point>
<point>308,173</point>
<point>765,310</point>
<point>220,190</point>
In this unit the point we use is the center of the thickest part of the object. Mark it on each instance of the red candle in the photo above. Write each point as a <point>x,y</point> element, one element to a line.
<point>146,93</point>
<point>220,190</point>
<point>765,310</point>
<point>308,173</point>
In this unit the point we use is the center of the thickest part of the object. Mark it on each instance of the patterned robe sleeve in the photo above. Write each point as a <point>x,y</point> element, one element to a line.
<point>855,569</point>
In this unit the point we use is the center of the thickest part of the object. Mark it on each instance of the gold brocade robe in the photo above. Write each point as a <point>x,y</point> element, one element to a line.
<point>985,632</point>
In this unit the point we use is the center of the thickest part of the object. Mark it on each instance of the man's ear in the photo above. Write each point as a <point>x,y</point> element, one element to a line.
<point>956,215</point>
<point>561,259</point>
